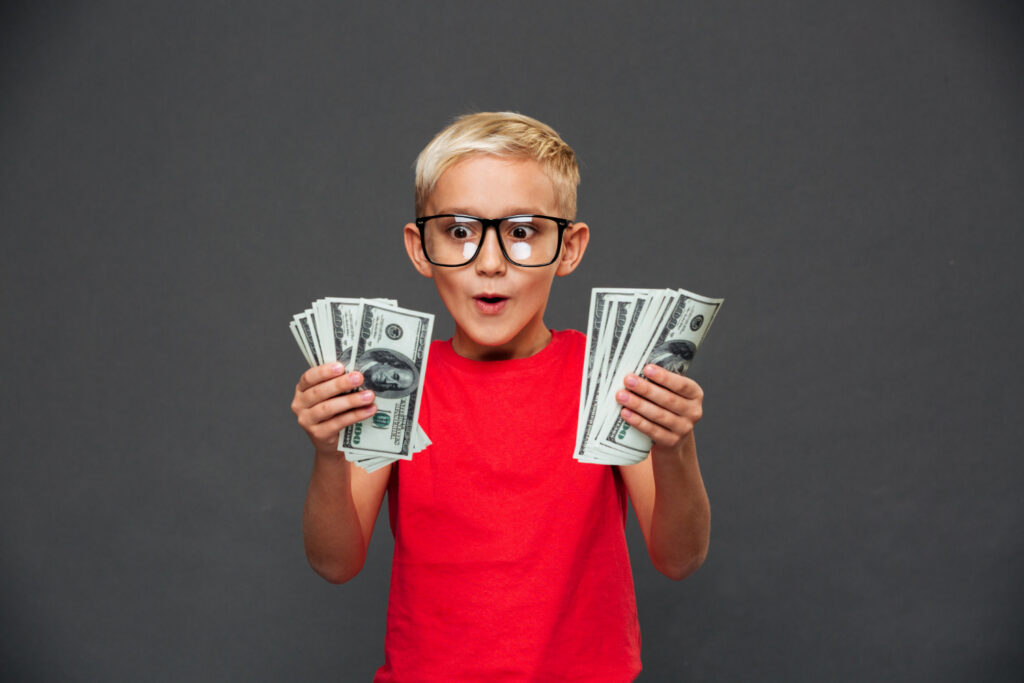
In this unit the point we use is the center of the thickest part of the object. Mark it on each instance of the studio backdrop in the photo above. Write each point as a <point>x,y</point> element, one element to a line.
<point>177,180</point>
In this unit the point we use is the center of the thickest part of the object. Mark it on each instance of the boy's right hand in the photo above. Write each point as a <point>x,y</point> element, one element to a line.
<point>324,405</point>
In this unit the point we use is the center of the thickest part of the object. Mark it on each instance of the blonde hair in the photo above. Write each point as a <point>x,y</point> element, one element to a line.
<point>501,134</point>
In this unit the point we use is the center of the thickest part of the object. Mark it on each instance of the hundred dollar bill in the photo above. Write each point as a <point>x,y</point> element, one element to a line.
<point>338,327</point>
<point>391,353</point>
<point>633,328</point>
<point>628,349</point>
<point>615,315</point>
<point>687,319</point>
<point>606,326</point>
<point>293,325</point>
<point>595,327</point>
<point>328,332</point>
<point>308,336</point>
<point>335,324</point>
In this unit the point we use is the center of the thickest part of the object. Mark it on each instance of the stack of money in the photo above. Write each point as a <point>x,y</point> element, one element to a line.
<point>389,346</point>
<point>626,330</point>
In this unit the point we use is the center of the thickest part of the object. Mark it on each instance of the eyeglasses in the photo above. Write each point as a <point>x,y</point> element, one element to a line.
<point>526,240</point>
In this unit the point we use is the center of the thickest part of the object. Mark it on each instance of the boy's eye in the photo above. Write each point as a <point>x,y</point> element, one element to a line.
<point>520,231</point>
<point>460,232</point>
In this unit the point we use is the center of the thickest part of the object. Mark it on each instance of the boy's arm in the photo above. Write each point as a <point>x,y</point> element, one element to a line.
<point>337,521</point>
<point>666,489</point>
<point>342,501</point>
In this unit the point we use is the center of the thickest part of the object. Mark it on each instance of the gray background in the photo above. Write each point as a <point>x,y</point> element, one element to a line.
<point>177,179</point>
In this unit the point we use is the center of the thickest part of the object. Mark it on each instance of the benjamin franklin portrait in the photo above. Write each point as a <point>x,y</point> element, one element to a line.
<point>388,373</point>
<point>674,355</point>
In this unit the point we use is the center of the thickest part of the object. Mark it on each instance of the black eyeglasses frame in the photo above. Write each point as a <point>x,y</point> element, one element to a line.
<point>562,223</point>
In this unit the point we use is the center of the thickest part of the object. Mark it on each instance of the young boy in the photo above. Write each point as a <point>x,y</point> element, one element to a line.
<point>510,560</point>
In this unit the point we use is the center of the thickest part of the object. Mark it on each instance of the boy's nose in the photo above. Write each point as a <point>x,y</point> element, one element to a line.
<point>490,259</point>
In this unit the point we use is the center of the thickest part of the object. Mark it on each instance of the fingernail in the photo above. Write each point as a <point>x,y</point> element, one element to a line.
<point>652,370</point>
<point>631,381</point>
<point>622,396</point>
<point>366,396</point>
<point>337,368</point>
<point>626,412</point>
<point>356,379</point>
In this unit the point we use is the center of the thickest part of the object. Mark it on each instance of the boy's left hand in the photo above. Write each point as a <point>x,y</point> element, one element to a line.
<point>665,406</point>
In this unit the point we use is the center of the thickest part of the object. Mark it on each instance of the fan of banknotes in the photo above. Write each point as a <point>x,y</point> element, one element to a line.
<point>389,346</point>
<point>626,330</point>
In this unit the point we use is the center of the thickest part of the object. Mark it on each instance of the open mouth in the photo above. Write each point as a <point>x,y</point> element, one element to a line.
<point>490,303</point>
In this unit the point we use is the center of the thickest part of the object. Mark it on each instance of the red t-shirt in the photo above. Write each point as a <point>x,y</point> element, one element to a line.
<point>510,557</point>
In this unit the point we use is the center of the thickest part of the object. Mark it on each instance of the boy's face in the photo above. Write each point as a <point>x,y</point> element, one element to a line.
<point>498,307</point>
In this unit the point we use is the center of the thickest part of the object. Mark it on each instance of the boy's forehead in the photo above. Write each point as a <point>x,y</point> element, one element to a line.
<point>493,186</point>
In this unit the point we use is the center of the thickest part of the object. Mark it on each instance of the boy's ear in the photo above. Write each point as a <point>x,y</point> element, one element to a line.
<point>414,247</point>
<point>574,243</point>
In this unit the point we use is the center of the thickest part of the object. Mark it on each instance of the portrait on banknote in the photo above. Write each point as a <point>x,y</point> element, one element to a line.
<point>674,355</point>
<point>388,373</point>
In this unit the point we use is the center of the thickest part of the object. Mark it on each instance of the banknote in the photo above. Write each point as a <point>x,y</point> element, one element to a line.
<point>308,337</point>
<point>337,326</point>
<point>293,325</point>
<point>628,329</point>
<point>389,345</point>
<point>605,304</point>
<point>391,353</point>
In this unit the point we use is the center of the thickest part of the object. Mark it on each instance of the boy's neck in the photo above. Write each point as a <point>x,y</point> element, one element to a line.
<point>523,346</point>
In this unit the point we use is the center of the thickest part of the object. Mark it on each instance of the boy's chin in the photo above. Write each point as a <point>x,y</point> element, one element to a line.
<point>485,340</point>
<point>499,343</point>
<point>483,330</point>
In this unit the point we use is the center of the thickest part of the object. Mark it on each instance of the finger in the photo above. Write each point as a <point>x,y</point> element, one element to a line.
<point>328,431</point>
<point>330,388</point>
<point>680,384</point>
<point>657,394</point>
<point>327,410</point>
<point>653,413</point>
<point>658,434</point>
<point>319,374</point>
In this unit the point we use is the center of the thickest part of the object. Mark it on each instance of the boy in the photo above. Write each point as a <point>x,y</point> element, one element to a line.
<point>510,560</point>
